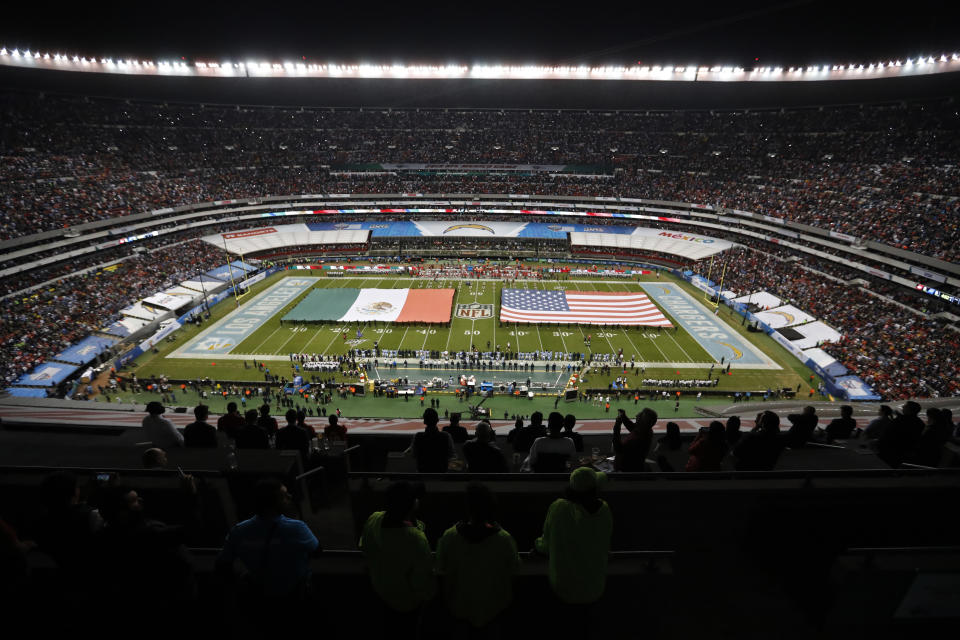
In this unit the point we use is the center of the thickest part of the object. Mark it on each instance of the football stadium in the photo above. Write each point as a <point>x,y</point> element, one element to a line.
<point>301,337</point>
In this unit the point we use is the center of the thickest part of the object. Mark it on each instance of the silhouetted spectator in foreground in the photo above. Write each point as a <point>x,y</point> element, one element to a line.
<point>200,433</point>
<point>457,432</point>
<point>802,427</point>
<point>760,449</point>
<point>672,440</point>
<point>399,561</point>
<point>569,422</point>
<point>267,422</point>
<point>929,449</point>
<point>476,561</point>
<point>154,458</point>
<point>65,529</point>
<point>160,431</point>
<point>522,438</point>
<point>231,422</point>
<point>432,448</point>
<point>733,432</point>
<point>902,436</point>
<point>878,425</point>
<point>841,428</point>
<point>550,453</point>
<point>334,431</point>
<point>274,551</point>
<point>576,538</point>
<point>708,450</point>
<point>140,561</point>
<point>631,451</point>
<point>251,436</point>
<point>481,454</point>
<point>293,437</point>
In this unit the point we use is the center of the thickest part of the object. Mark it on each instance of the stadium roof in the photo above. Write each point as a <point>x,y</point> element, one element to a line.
<point>456,55</point>
<point>739,33</point>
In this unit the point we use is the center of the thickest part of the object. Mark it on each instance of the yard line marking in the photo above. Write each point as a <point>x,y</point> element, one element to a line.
<point>656,346</point>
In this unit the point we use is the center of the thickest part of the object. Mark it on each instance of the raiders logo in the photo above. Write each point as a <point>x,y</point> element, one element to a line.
<point>474,311</point>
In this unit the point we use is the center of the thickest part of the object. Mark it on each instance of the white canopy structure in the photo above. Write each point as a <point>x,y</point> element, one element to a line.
<point>687,245</point>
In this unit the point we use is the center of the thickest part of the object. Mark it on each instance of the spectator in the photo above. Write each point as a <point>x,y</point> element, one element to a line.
<point>569,422</point>
<point>760,449</point>
<point>399,560</point>
<point>481,454</point>
<point>708,450</point>
<point>67,525</point>
<point>154,459</point>
<point>732,431</point>
<point>200,433</point>
<point>293,437</point>
<point>476,560</point>
<point>843,427</point>
<point>231,422</point>
<point>140,560</point>
<point>576,538</point>
<point>432,448</point>
<point>251,436</point>
<point>267,422</point>
<point>522,438</point>
<point>550,453</point>
<point>671,441</point>
<point>802,427</point>
<point>902,436</point>
<point>631,451</point>
<point>160,431</point>
<point>458,433</point>
<point>273,552</point>
<point>334,431</point>
<point>878,425</point>
<point>929,450</point>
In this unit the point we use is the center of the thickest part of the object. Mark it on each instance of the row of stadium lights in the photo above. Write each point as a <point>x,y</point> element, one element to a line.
<point>457,71</point>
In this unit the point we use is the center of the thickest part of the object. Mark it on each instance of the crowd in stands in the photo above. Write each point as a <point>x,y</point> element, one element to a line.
<point>880,172</point>
<point>107,543</point>
<point>898,353</point>
<point>35,326</point>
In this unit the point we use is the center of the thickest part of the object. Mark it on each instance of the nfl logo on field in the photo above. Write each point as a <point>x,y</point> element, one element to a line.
<point>474,311</point>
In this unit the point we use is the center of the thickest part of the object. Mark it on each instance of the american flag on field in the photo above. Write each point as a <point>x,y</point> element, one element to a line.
<point>585,307</point>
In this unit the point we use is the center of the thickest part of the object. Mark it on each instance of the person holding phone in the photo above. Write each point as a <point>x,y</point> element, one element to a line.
<point>631,450</point>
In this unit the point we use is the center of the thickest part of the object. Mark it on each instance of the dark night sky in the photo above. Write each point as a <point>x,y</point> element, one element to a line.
<point>796,32</point>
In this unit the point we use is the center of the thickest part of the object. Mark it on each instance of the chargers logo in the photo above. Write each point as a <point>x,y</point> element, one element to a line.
<point>478,227</point>
<point>786,316</point>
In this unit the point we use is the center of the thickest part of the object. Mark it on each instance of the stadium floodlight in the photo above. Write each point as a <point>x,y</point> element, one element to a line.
<point>15,53</point>
<point>3,51</point>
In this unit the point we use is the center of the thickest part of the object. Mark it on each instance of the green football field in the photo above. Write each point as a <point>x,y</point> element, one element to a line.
<point>646,343</point>
<point>669,354</point>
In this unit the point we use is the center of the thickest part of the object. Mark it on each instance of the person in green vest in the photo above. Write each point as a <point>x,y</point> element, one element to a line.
<point>399,560</point>
<point>476,561</point>
<point>576,539</point>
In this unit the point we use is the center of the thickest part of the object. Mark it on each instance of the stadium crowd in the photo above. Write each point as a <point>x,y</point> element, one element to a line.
<point>885,173</point>
<point>36,326</point>
<point>898,353</point>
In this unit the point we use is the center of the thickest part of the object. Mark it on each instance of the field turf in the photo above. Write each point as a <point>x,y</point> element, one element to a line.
<point>667,354</point>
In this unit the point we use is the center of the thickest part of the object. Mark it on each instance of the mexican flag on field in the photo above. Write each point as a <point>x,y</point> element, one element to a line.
<point>366,305</point>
